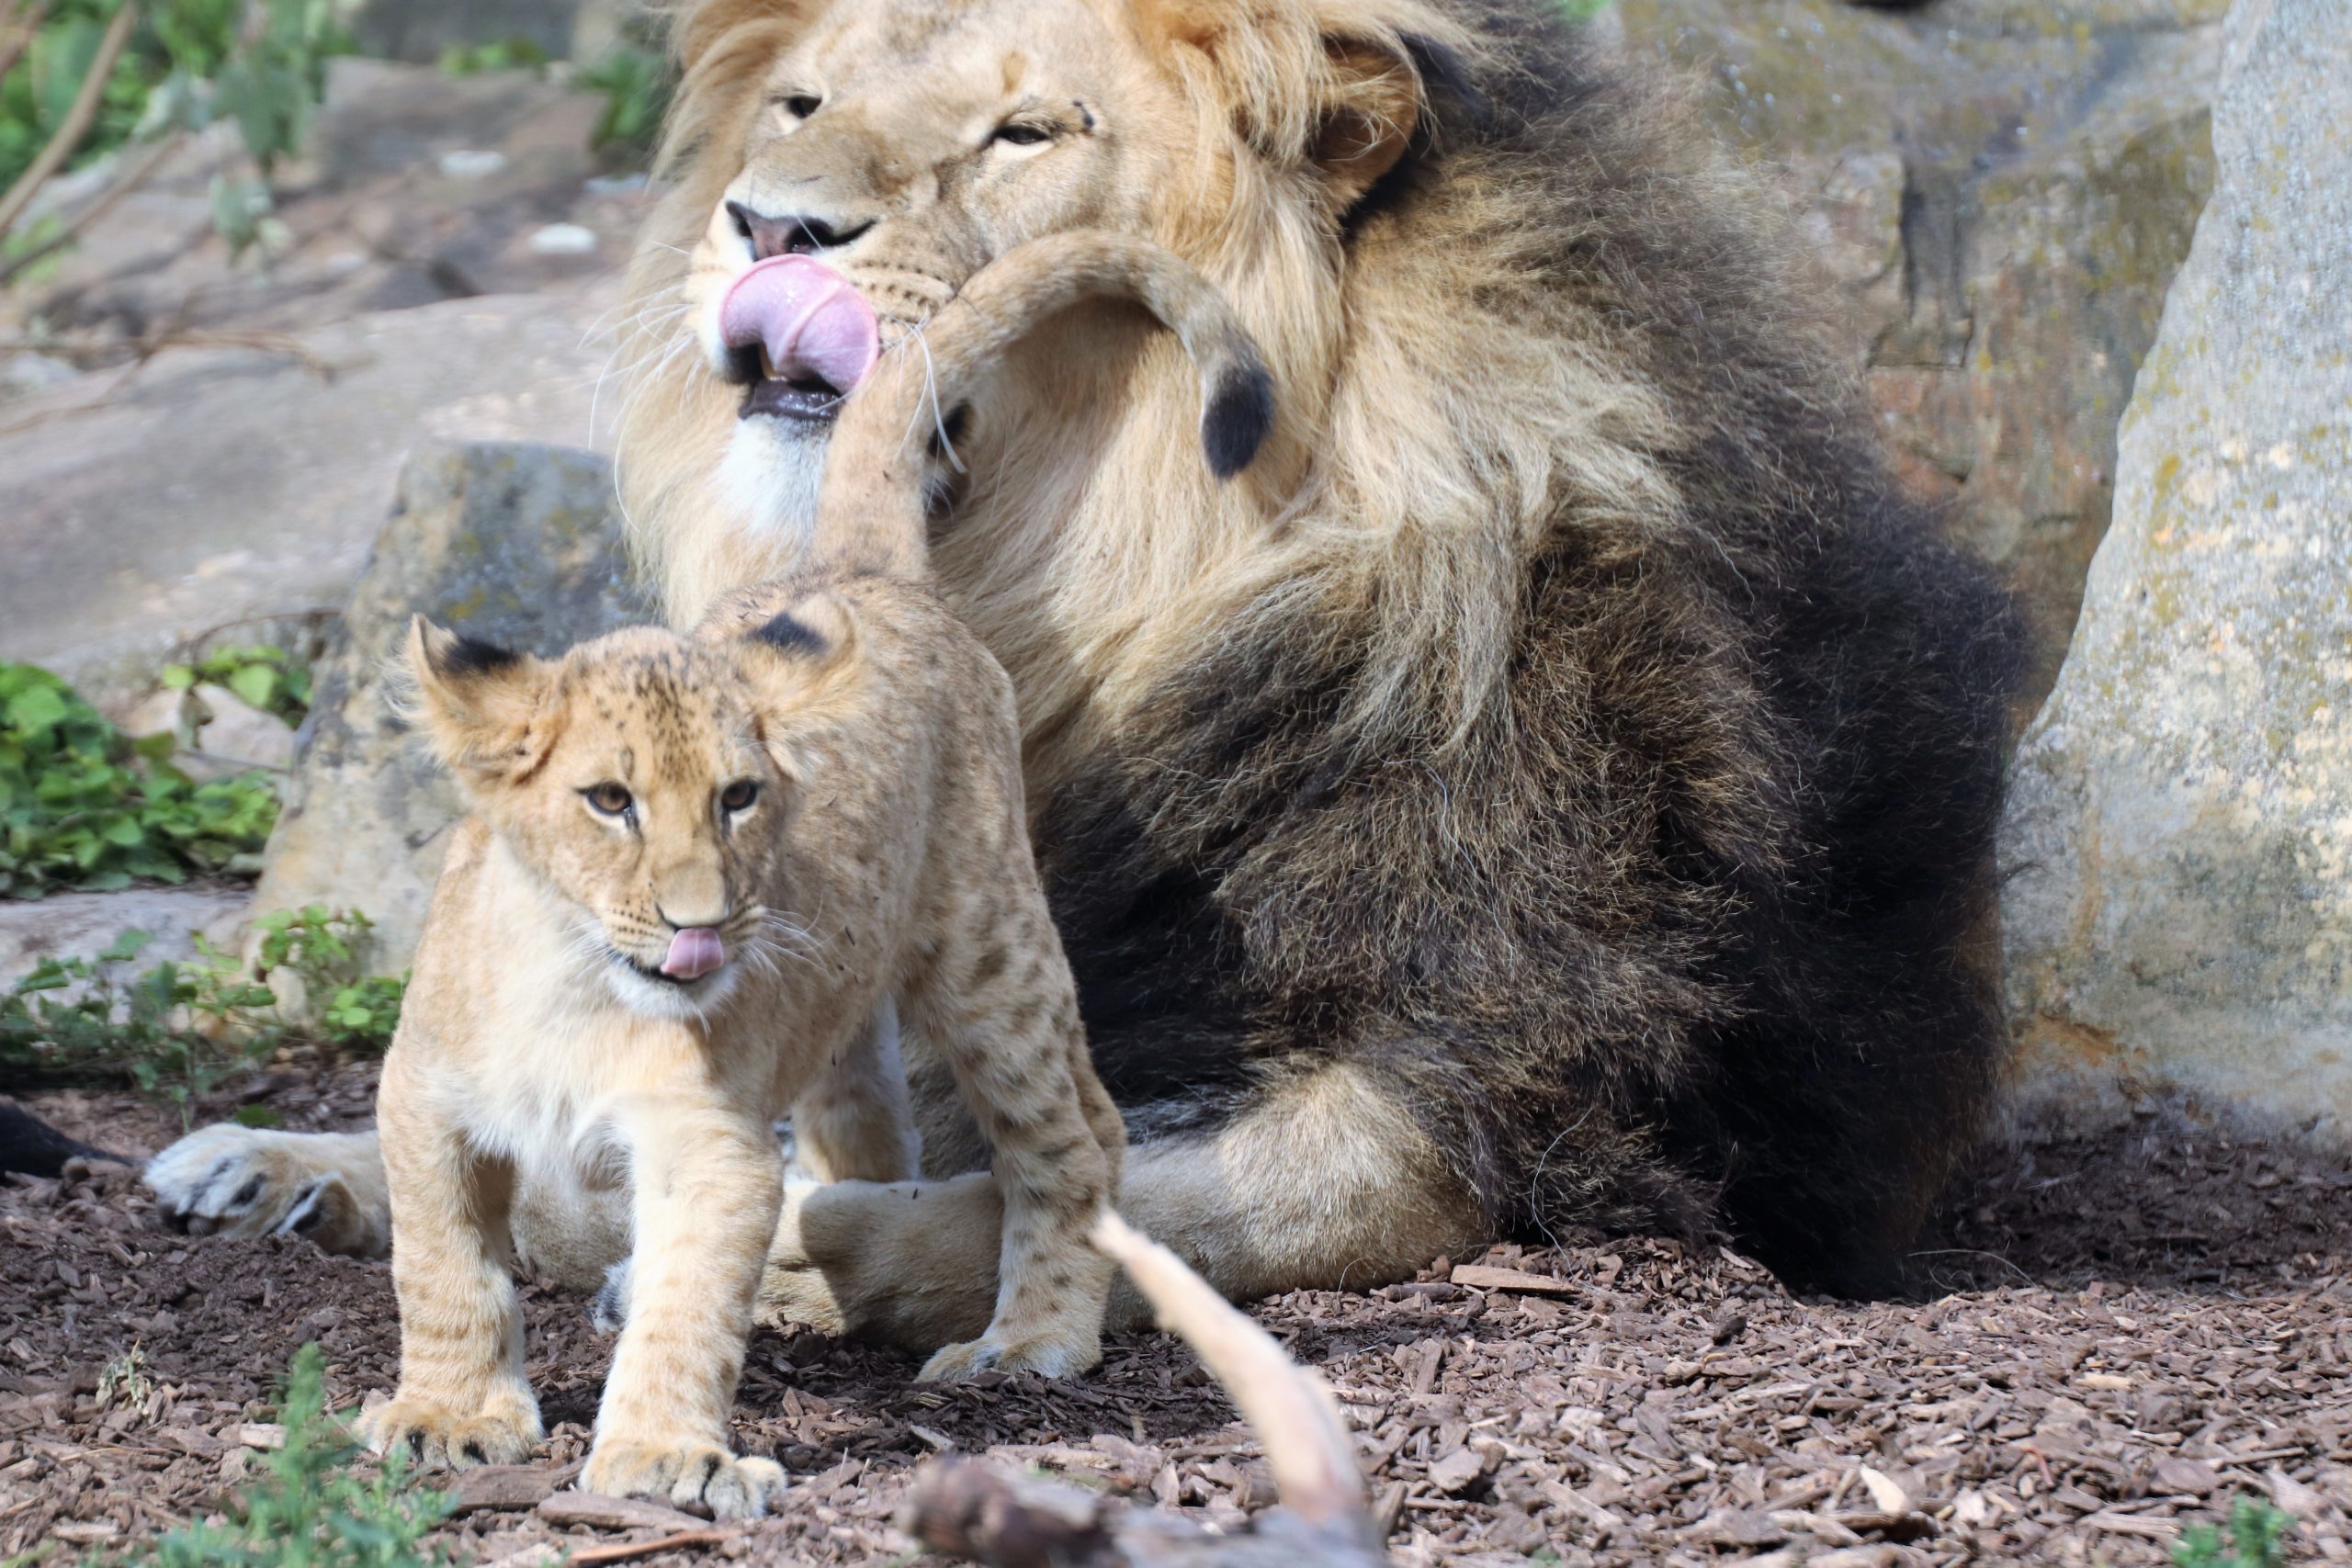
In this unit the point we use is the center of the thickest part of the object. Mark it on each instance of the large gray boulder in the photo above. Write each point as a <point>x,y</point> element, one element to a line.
<point>517,543</point>
<point>2001,190</point>
<point>2180,835</point>
<point>240,486</point>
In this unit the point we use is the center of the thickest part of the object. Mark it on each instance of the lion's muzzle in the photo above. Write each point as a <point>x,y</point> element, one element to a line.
<point>802,335</point>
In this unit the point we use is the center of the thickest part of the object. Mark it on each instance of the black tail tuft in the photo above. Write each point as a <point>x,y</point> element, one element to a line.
<point>30,1146</point>
<point>1238,415</point>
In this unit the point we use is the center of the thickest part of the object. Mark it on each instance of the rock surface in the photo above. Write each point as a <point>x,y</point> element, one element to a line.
<point>81,925</point>
<point>224,450</point>
<point>241,484</point>
<point>2003,190</point>
<point>516,544</point>
<point>2180,833</point>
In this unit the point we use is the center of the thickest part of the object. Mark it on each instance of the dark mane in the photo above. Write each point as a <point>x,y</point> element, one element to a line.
<point>1674,923</point>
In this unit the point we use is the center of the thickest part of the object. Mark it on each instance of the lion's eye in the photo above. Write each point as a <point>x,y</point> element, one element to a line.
<point>799,106</point>
<point>739,795</point>
<point>611,799</point>
<point>1020,134</point>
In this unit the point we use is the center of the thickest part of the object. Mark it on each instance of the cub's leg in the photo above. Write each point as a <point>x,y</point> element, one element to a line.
<point>999,1005</point>
<point>463,1398</point>
<point>854,1121</point>
<point>707,1183</point>
<point>1327,1182</point>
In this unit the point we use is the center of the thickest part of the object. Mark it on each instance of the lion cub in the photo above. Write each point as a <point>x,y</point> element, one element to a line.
<point>697,870</point>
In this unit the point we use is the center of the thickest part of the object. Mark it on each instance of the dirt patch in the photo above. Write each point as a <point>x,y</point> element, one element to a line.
<point>2137,1330</point>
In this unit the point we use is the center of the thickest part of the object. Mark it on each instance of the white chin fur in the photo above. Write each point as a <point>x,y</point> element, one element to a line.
<point>660,999</point>
<point>771,475</point>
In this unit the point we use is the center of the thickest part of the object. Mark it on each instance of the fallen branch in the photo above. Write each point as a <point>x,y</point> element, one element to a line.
<point>78,118</point>
<point>132,174</point>
<point>1325,1521</point>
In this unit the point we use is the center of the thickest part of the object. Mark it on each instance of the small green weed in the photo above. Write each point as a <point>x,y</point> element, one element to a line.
<point>83,806</point>
<point>125,1380</point>
<point>307,1509</point>
<point>2255,1536</point>
<point>635,84</point>
<point>178,1030</point>
<point>502,54</point>
<point>175,1030</point>
<point>267,678</point>
<point>321,947</point>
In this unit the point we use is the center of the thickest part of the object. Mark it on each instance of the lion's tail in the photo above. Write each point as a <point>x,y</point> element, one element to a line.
<point>880,455</point>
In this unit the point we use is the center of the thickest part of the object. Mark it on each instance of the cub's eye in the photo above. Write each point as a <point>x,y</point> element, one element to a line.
<point>611,799</point>
<point>799,106</point>
<point>1020,134</point>
<point>739,795</point>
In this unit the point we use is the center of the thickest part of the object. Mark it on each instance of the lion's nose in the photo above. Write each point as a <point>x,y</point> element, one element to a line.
<point>798,233</point>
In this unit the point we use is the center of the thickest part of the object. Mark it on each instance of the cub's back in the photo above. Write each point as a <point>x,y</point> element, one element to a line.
<point>905,724</point>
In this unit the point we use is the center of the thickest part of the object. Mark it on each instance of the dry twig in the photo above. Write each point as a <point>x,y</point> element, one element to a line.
<point>22,27</point>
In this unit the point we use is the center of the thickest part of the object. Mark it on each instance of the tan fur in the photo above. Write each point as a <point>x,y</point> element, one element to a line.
<point>883,855</point>
<point>1097,552</point>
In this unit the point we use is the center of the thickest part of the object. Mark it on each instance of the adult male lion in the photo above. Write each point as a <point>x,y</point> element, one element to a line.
<point>1556,782</point>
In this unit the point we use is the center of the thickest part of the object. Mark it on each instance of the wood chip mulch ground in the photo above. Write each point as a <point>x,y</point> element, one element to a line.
<point>2132,1331</point>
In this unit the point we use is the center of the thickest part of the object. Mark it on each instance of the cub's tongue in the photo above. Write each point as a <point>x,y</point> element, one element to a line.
<point>693,953</point>
<point>807,318</point>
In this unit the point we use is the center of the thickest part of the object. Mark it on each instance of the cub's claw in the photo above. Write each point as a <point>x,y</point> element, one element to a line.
<point>434,1438</point>
<point>731,1487</point>
<point>1044,1356</point>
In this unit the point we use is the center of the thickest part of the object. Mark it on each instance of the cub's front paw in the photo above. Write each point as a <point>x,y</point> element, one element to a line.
<point>731,1487</point>
<point>1046,1355</point>
<point>434,1436</point>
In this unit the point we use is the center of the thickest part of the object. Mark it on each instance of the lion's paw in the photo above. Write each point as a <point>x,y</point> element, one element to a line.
<point>437,1438</point>
<point>232,1180</point>
<point>733,1486</point>
<point>1047,1356</point>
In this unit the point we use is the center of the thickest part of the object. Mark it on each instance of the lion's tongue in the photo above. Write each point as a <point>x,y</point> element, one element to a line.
<point>807,317</point>
<point>693,953</point>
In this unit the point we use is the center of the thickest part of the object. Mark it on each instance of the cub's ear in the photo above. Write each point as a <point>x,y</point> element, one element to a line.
<point>476,701</point>
<point>815,633</point>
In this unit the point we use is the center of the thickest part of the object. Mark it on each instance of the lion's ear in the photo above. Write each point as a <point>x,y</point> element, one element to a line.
<point>1371,108</point>
<point>475,701</point>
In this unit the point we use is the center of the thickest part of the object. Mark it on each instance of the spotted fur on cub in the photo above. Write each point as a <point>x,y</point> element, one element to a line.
<point>817,800</point>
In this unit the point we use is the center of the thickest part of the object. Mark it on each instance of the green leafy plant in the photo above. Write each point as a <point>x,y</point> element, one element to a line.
<point>82,806</point>
<point>321,947</point>
<point>2255,1536</point>
<point>307,1508</point>
<point>93,75</point>
<point>500,54</point>
<point>266,677</point>
<point>178,1030</point>
<point>175,1030</point>
<point>636,85</point>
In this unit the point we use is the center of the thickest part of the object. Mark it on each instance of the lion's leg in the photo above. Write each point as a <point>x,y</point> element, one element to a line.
<point>232,1180</point>
<point>854,1121</point>
<point>1324,1183</point>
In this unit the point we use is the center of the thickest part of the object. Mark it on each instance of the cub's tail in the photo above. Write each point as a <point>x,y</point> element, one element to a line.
<point>880,455</point>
